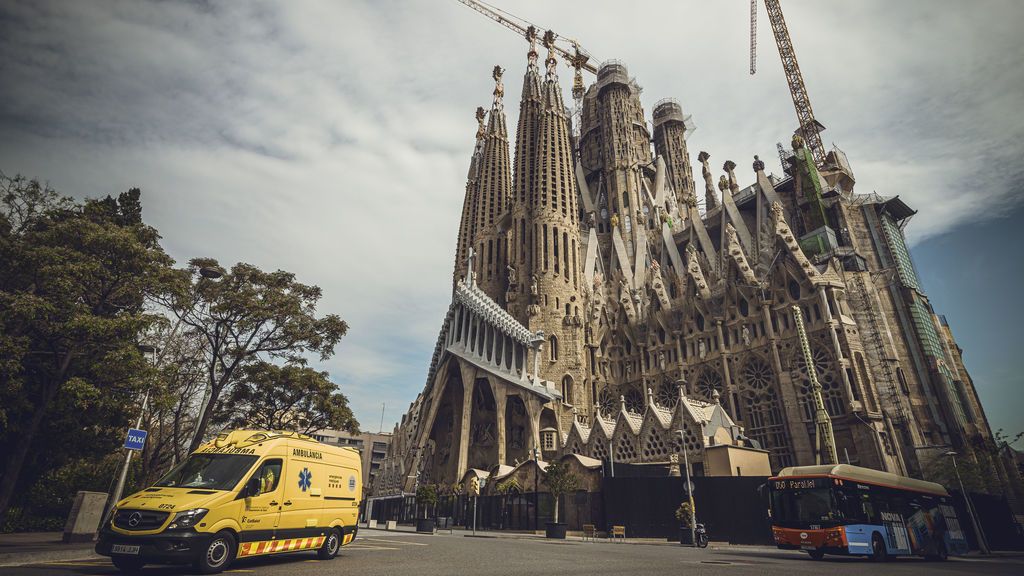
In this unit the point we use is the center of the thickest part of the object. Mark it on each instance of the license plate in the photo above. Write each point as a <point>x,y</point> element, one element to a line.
<point>808,547</point>
<point>124,549</point>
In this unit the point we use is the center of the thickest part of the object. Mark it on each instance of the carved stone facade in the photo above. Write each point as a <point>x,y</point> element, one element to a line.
<point>606,309</point>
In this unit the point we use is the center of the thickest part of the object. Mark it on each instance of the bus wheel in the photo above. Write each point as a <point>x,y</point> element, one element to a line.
<point>878,552</point>
<point>218,555</point>
<point>127,565</point>
<point>331,545</point>
<point>816,554</point>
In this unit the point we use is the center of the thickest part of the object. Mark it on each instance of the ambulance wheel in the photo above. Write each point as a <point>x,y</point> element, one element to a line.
<point>127,565</point>
<point>331,545</point>
<point>218,555</point>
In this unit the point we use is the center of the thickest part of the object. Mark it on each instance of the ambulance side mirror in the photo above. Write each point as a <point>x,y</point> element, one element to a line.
<point>252,488</point>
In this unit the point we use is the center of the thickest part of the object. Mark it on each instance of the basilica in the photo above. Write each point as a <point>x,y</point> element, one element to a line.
<point>609,303</point>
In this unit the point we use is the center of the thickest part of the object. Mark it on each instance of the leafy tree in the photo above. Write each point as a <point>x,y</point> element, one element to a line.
<point>559,479</point>
<point>426,496</point>
<point>289,397</point>
<point>249,314</point>
<point>73,283</point>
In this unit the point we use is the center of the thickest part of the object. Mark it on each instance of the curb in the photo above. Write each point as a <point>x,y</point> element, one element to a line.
<point>43,557</point>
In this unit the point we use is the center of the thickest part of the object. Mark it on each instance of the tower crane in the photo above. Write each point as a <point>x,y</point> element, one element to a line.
<point>810,129</point>
<point>578,58</point>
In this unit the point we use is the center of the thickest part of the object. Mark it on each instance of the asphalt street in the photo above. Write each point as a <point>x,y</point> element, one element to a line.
<point>376,552</point>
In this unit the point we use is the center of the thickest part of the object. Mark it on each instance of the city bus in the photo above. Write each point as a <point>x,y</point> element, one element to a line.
<point>849,510</point>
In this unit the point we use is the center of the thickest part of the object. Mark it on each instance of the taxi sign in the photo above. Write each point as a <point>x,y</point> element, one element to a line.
<point>136,439</point>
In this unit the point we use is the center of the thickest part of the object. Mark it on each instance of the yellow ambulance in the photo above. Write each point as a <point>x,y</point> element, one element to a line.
<point>246,493</point>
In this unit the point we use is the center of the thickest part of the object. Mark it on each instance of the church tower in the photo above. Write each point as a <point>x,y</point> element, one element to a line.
<point>545,235</point>
<point>670,131</point>
<point>491,202</point>
<point>466,223</point>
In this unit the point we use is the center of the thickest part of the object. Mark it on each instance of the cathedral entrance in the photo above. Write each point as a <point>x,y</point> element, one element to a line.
<point>443,450</point>
<point>483,435</point>
<point>517,429</point>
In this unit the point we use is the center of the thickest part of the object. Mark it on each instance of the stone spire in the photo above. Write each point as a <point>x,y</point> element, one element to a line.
<point>466,223</point>
<point>520,234</point>
<point>553,218</point>
<point>491,202</point>
<point>670,130</point>
<point>710,199</point>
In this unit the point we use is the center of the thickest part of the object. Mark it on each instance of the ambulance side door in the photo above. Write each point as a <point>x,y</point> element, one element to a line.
<point>262,496</point>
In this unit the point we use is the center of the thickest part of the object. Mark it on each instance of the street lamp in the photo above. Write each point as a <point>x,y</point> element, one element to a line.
<point>536,488</point>
<point>970,508</point>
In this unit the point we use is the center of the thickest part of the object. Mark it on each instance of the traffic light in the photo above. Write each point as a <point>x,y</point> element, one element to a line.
<point>474,486</point>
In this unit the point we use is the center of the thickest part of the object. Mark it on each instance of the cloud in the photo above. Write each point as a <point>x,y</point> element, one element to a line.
<point>332,139</point>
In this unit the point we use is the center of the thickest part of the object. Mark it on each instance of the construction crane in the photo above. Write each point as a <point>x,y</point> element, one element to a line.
<point>824,439</point>
<point>810,129</point>
<point>578,58</point>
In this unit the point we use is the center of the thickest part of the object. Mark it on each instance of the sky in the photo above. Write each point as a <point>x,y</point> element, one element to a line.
<point>332,139</point>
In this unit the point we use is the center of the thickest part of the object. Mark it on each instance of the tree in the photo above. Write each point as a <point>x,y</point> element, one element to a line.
<point>249,314</point>
<point>559,479</point>
<point>426,496</point>
<point>73,283</point>
<point>289,397</point>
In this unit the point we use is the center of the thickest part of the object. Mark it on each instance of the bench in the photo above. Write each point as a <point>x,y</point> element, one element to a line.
<point>589,531</point>
<point>618,532</point>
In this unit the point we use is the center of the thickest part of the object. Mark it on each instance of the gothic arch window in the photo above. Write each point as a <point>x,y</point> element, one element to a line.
<point>667,394</point>
<point>553,348</point>
<point>794,290</point>
<point>606,403</point>
<point>903,380</point>
<point>567,396</point>
<point>708,381</point>
<point>634,401</point>
<point>761,410</point>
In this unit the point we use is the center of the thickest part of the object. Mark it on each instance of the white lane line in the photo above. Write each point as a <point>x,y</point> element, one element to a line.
<point>402,542</point>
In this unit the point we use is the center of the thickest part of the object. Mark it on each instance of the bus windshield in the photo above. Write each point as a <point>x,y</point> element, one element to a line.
<point>209,471</point>
<point>800,508</point>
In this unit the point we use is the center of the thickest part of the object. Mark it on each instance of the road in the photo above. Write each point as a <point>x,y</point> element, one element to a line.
<point>377,552</point>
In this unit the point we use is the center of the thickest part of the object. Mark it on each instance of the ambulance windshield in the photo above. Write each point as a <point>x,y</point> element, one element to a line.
<point>208,471</point>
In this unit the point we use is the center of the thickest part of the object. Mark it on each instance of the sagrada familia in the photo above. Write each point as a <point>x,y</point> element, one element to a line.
<point>606,305</point>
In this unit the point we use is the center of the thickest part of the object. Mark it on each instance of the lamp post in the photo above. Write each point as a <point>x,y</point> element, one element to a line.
<point>536,489</point>
<point>209,274</point>
<point>970,508</point>
<point>686,462</point>
<point>205,272</point>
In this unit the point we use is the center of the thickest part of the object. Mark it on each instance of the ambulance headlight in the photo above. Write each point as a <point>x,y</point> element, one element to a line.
<point>187,519</point>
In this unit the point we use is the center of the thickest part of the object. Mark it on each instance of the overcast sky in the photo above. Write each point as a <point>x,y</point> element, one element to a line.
<point>332,139</point>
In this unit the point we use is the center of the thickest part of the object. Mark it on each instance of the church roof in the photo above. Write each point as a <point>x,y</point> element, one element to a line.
<point>471,296</point>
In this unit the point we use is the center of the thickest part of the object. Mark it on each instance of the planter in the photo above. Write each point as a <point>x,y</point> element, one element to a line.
<point>425,525</point>
<point>685,536</point>
<point>555,530</point>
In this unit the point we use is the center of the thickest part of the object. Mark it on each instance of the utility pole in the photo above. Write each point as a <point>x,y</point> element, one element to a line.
<point>824,439</point>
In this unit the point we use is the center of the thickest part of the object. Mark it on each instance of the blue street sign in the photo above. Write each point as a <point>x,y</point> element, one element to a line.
<point>136,439</point>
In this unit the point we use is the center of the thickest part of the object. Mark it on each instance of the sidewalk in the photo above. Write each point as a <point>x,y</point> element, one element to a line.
<point>36,547</point>
<point>539,535</point>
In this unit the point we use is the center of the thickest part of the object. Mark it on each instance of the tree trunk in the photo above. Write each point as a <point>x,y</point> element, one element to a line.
<point>16,459</point>
<point>557,496</point>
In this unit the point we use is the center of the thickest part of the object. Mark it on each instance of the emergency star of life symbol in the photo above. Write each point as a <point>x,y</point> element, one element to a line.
<point>304,479</point>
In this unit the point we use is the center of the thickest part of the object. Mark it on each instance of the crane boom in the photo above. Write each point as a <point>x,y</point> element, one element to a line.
<point>809,127</point>
<point>578,58</point>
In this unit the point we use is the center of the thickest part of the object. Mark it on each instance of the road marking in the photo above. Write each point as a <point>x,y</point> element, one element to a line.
<point>364,547</point>
<point>240,570</point>
<point>396,542</point>
<point>74,563</point>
